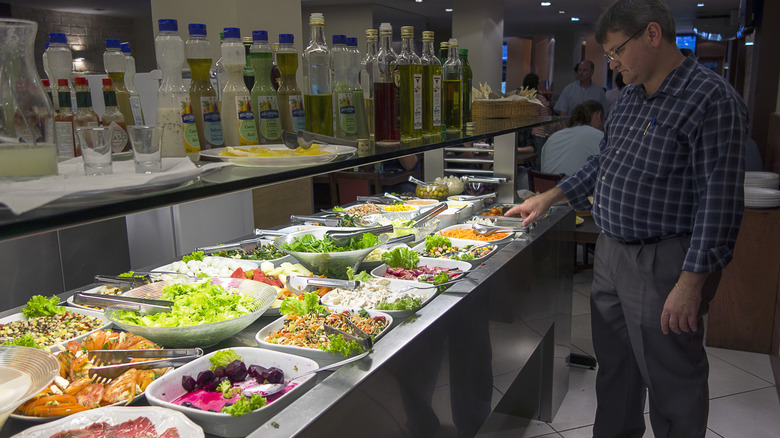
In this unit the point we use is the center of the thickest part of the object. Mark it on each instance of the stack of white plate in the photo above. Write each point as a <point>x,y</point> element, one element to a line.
<point>766,180</point>
<point>759,197</point>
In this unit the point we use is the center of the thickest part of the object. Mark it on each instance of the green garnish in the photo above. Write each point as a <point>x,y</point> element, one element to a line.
<point>437,240</point>
<point>403,304</point>
<point>197,255</point>
<point>441,277</point>
<point>362,276</point>
<point>310,303</point>
<point>23,341</point>
<point>338,208</point>
<point>401,257</point>
<point>244,405</point>
<point>223,358</point>
<point>42,306</point>
<point>227,389</point>
<point>127,274</point>
<point>339,345</point>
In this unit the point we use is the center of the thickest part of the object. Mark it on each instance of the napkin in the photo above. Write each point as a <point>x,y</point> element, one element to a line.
<point>23,196</point>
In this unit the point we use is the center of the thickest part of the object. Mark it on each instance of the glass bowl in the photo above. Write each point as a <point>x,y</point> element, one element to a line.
<point>203,335</point>
<point>24,372</point>
<point>432,191</point>
<point>329,264</point>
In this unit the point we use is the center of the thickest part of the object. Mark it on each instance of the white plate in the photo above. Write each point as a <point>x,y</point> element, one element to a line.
<point>168,388</point>
<point>425,294</point>
<point>460,226</point>
<point>431,263</point>
<point>336,151</point>
<point>460,243</point>
<point>161,418</point>
<point>105,323</point>
<point>322,357</point>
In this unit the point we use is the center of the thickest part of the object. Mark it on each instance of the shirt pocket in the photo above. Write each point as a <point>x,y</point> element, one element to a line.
<point>662,153</point>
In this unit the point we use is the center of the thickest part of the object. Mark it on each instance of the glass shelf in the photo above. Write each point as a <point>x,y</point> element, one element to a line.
<point>79,209</point>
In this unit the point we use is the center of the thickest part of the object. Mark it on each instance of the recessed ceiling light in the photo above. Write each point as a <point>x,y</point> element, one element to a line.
<point>546,3</point>
<point>575,19</point>
<point>748,43</point>
<point>561,12</point>
<point>418,1</point>
<point>700,5</point>
<point>448,10</point>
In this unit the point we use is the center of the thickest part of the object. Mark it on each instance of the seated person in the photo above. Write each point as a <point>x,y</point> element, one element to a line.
<point>567,150</point>
<point>403,164</point>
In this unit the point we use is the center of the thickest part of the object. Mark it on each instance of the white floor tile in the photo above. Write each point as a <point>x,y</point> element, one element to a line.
<point>755,363</point>
<point>583,288</point>
<point>581,432</point>
<point>755,414</point>
<point>500,425</point>
<point>580,333</point>
<point>726,379</point>
<point>580,304</point>
<point>579,406</point>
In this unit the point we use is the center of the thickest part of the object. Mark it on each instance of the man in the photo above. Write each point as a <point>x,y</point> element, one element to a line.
<point>668,196</point>
<point>567,150</point>
<point>580,91</point>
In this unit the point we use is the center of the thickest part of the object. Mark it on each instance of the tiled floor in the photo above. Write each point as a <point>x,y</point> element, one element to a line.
<point>743,398</point>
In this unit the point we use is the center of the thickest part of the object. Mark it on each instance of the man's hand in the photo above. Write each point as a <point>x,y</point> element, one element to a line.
<point>681,309</point>
<point>535,207</point>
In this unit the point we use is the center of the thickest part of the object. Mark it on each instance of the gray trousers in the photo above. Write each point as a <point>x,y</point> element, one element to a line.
<point>630,285</point>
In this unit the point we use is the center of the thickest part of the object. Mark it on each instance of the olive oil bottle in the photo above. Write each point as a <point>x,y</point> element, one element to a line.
<point>411,71</point>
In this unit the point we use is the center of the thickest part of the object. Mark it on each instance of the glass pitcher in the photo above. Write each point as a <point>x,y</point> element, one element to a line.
<point>27,145</point>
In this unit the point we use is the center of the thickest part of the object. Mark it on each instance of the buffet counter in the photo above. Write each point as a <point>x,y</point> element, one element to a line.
<point>497,341</point>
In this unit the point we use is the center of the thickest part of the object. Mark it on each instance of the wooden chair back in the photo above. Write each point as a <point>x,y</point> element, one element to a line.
<point>541,182</point>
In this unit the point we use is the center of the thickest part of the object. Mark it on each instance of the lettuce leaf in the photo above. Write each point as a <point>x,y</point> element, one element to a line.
<point>437,240</point>
<point>309,303</point>
<point>196,255</point>
<point>223,357</point>
<point>341,346</point>
<point>244,405</point>
<point>401,257</point>
<point>403,304</point>
<point>362,276</point>
<point>42,306</point>
<point>23,341</point>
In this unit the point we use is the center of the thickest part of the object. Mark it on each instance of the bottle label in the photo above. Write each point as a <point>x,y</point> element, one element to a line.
<point>417,97</point>
<point>298,115</point>
<point>65,143</point>
<point>119,138</point>
<point>268,110</point>
<point>212,122</point>
<point>188,127</point>
<point>135,107</point>
<point>347,117</point>
<point>247,130</point>
<point>436,100</point>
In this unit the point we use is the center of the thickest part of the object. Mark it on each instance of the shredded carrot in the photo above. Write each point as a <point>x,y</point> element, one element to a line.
<point>469,234</point>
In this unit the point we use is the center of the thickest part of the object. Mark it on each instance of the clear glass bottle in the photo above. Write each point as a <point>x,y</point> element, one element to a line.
<point>444,51</point>
<point>355,68</point>
<point>249,71</point>
<point>317,97</point>
<point>85,115</point>
<point>47,89</point>
<point>264,100</point>
<point>219,69</point>
<point>113,117</point>
<point>368,64</point>
<point>60,61</point>
<point>346,121</point>
<point>205,105</point>
<point>63,123</point>
<point>431,87</point>
<point>115,65</point>
<point>238,120</point>
<point>291,109</point>
<point>135,98</point>
<point>47,69</point>
<point>275,73</point>
<point>467,75</point>
<point>386,98</point>
<point>451,107</point>
<point>411,71</point>
<point>174,108</point>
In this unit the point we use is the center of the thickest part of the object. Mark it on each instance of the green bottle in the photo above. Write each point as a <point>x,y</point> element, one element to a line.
<point>264,100</point>
<point>249,72</point>
<point>411,70</point>
<point>467,75</point>
<point>451,102</point>
<point>431,87</point>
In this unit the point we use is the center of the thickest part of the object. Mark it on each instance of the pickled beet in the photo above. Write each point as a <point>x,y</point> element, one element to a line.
<point>256,371</point>
<point>272,375</point>
<point>219,371</point>
<point>236,371</point>
<point>188,383</point>
<point>205,379</point>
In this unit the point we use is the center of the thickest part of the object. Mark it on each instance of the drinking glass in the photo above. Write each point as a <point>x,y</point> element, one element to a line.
<point>146,141</point>
<point>96,149</point>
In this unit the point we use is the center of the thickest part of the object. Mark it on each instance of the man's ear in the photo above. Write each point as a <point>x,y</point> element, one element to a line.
<point>654,34</point>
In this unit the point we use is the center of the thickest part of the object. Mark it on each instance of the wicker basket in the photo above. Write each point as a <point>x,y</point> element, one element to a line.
<point>502,108</point>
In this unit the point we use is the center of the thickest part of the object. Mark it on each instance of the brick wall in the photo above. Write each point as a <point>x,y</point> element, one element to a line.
<point>86,35</point>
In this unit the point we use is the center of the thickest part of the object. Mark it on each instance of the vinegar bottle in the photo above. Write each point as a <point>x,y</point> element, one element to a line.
<point>264,102</point>
<point>317,98</point>
<point>346,122</point>
<point>63,123</point>
<point>205,106</point>
<point>386,121</point>
<point>112,117</point>
<point>238,121</point>
<point>291,110</point>
<point>411,70</point>
<point>353,73</point>
<point>135,98</point>
<point>431,87</point>
<point>368,64</point>
<point>275,73</point>
<point>249,71</point>
<point>467,75</point>
<point>444,52</point>
<point>451,99</point>
<point>115,65</point>
<point>219,69</point>
<point>174,108</point>
<point>85,116</point>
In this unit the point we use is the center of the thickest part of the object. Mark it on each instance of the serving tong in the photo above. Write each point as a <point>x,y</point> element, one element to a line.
<point>119,361</point>
<point>133,282</point>
<point>342,238</point>
<point>486,230</point>
<point>144,306</point>
<point>356,334</point>
<point>245,245</point>
<point>302,283</point>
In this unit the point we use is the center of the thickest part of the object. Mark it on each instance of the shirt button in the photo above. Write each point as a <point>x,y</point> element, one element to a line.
<point>644,101</point>
<point>617,152</point>
<point>603,178</point>
<point>631,128</point>
<point>599,205</point>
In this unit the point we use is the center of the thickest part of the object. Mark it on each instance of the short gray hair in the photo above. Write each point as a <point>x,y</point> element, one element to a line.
<point>630,16</point>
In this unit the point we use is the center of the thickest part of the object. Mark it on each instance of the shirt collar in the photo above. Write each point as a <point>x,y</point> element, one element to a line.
<point>674,84</point>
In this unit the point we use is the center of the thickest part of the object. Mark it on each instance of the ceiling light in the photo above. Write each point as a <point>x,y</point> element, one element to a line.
<point>418,1</point>
<point>700,5</point>
<point>561,12</point>
<point>575,19</point>
<point>448,10</point>
<point>546,3</point>
<point>748,43</point>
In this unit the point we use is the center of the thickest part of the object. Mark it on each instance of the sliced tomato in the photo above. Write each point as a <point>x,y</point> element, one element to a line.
<point>91,395</point>
<point>238,273</point>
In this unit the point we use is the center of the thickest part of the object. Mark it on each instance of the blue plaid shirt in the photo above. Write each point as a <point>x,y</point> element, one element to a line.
<point>671,163</point>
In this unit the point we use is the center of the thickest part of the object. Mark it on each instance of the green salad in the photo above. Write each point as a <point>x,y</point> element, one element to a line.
<point>193,304</point>
<point>310,243</point>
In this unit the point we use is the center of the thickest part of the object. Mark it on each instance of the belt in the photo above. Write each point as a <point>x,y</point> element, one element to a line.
<point>652,240</point>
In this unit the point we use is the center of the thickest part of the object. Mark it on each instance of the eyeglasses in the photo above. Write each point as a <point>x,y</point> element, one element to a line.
<point>615,53</point>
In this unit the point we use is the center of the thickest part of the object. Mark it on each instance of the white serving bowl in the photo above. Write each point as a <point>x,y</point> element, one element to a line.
<point>24,372</point>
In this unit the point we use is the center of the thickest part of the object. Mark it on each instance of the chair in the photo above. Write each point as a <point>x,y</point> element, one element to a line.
<point>541,182</point>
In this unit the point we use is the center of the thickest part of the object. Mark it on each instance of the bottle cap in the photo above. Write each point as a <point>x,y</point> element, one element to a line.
<point>453,42</point>
<point>112,43</point>
<point>62,82</point>
<point>45,82</point>
<point>371,32</point>
<point>56,37</point>
<point>444,44</point>
<point>427,36</point>
<point>260,35</point>
<point>125,47</point>
<point>463,52</point>
<point>107,82</point>
<point>286,38</point>
<point>316,18</point>
<point>46,45</point>
<point>407,31</point>
<point>339,39</point>
<point>247,40</point>
<point>197,29</point>
<point>232,32</point>
<point>275,47</point>
<point>167,25</point>
<point>80,81</point>
<point>386,28</point>
<point>351,42</point>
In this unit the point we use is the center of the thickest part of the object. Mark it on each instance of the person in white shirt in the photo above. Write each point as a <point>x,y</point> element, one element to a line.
<point>567,150</point>
<point>581,90</point>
